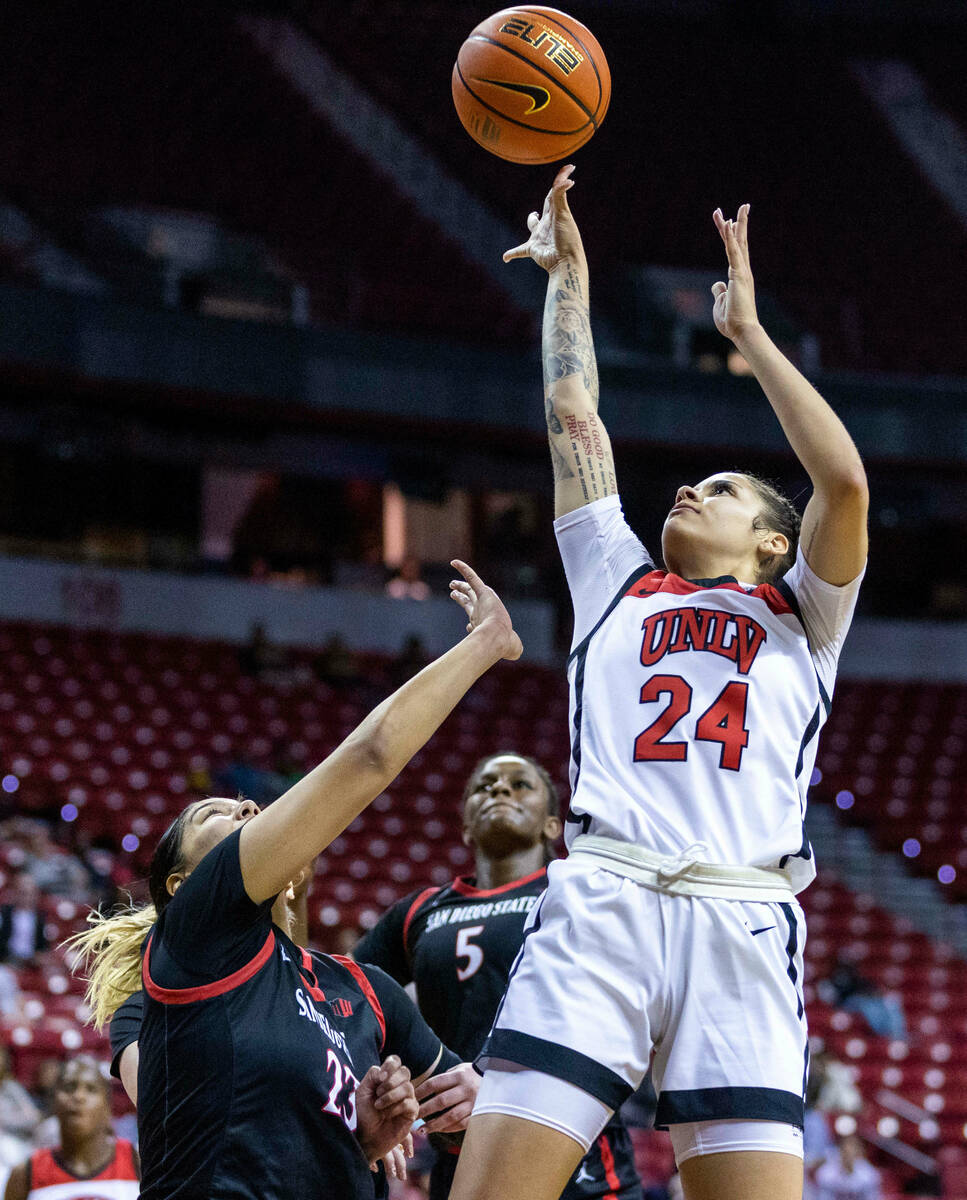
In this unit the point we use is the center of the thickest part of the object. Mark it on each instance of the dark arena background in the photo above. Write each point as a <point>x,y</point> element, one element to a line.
<point>263,374</point>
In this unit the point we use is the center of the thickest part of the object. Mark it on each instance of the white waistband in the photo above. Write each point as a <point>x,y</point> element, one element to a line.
<point>684,874</point>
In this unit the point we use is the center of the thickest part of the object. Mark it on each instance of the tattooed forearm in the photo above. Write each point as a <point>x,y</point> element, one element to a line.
<point>580,451</point>
<point>590,455</point>
<point>572,282</point>
<point>567,342</point>
<point>559,465</point>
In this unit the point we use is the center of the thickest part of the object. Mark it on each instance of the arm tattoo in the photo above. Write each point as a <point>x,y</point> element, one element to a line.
<point>559,464</point>
<point>589,455</point>
<point>567,342</point>
<point>572,283</point>
<point>579,444</point>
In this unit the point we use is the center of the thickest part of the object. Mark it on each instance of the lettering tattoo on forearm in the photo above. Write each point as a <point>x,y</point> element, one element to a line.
<point>591,456</point>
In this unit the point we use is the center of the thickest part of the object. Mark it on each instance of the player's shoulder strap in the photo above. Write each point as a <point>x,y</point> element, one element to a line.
<point>640,572</point>
<point>368,991</point>
<point>579,657</point>
<point>418,901</point>
<point>791,599</point>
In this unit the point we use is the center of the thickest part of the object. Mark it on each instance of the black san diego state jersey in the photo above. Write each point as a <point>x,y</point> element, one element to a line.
<point>250,1050</point>
<point>458,944</point>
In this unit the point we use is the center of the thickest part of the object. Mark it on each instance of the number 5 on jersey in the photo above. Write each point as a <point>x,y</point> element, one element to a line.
<point>466,949</point>
<point>723,722</point>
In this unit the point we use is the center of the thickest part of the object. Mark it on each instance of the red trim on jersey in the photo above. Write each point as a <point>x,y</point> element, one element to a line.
<point>315,991</point>
<point>467,889</point>
<point>664,581</point>
<point>411,911</point>
<point>366,987</point>
<point>610,1174</point>
<point>46,1171</point>
<point>207,990</point>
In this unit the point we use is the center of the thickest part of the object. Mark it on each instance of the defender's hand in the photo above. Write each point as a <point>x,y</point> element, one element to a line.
<point>484,609</point>
<point>734,312</point>
<point>447,1100</point>
<point>554,235</point>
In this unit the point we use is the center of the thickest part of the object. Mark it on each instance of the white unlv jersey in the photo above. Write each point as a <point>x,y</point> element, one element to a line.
<point>695,707</point>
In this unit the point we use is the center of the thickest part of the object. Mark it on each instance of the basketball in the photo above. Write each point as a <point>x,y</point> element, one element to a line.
<point>531,85</point>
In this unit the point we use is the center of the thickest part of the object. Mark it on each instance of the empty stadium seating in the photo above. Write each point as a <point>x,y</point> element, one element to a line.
<point>218,132</point>
<point>893,758</point>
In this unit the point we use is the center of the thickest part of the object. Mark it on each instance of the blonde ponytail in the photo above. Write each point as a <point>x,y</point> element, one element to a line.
<point>109,954</point>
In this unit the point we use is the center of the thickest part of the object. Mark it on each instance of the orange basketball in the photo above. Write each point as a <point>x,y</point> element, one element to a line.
<point>531,84</point>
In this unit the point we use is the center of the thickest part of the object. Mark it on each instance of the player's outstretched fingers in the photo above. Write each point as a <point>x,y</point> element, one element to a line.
<point>720,223</point>
<point>469,574</point>
<point>742,226</point>
<point>562,185</point>
<point>463,594</point>
<point>563,175</point>
<point>523,250</point>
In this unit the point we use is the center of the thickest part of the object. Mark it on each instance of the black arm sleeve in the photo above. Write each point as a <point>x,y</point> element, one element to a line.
<point>125,1029</point>
<point>210,928</point>
<point>407,1034</point>
<point>384,944</point>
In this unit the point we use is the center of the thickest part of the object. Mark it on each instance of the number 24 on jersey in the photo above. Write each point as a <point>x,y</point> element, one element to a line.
<point>722,722</point>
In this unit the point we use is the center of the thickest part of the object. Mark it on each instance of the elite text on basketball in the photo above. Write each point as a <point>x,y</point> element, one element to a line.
<point>560,51</point>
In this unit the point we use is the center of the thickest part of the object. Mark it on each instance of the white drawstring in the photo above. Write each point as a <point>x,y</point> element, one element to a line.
<point>682,863</point>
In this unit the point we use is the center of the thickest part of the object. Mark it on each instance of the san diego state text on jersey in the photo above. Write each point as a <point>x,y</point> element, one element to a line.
<point>457,944</point>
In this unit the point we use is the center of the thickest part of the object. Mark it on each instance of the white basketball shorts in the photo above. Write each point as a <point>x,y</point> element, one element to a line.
<point>612,973</point>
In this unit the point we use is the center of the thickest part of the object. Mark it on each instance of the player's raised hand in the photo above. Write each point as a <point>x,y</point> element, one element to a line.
<point>554,235</point>
<point>734,312</point>
<point>484,609</point>
<point>447,1100</point>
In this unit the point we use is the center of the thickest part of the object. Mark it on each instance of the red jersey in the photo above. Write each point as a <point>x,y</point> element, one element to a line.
<point>119,1180</point>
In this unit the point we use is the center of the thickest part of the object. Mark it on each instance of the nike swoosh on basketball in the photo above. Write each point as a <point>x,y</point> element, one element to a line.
<point>764,929</point>
<point>539,97</point>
